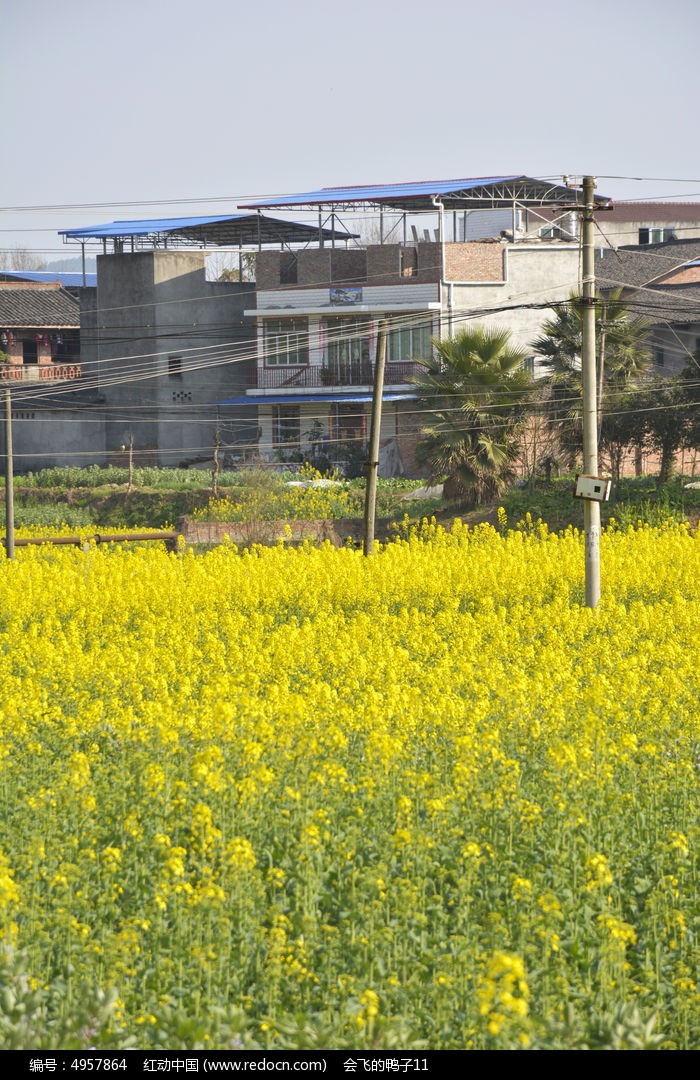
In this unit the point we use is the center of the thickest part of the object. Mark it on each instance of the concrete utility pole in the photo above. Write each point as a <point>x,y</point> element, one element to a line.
<point>373,455</point>
<point>591,508</point>
<point>9,480</point>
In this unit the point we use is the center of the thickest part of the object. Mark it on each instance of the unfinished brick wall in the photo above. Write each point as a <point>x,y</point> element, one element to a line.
<point>267,269</point>
<point>383,264</point>
<point>378,264</point>
<point>429,262</point>
<point>474,261</point>
<point>314,267</point>
<point>394,264</point>
<point>348,267</point>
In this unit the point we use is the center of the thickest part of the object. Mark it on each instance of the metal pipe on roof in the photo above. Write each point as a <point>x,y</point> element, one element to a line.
<point>443,283</point>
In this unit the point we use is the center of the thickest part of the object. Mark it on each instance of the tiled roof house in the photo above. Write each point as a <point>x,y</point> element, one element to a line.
<point>39,332</point>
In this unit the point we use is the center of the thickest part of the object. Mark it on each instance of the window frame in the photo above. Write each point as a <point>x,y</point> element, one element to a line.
<point>649,234</point>
<point>286,342</point>
<point>355,343</point>
<point>420,344</point>
<point>282,415</point>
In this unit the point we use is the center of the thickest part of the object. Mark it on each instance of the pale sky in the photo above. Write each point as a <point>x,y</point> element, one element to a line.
<point>165,102</point>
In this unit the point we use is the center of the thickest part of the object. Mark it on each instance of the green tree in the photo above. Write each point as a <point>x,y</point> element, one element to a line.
<point>691,396</point>
<point>622,356</point>
<point>473,394</point>
<point>668,417</point>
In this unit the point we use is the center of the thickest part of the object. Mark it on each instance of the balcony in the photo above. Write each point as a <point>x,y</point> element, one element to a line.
<point>314,377</point>
<point>39,373</point>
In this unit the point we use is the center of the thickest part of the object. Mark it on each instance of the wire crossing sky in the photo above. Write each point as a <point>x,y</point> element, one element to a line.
<point>148,103</point>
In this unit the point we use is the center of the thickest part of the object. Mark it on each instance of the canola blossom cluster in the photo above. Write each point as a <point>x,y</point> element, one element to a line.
<point>426,798</point>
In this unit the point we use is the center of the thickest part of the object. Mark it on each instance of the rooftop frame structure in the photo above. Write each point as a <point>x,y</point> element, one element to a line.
<point>234,231</point>
<point>220,230</point>
<point>514,193</point>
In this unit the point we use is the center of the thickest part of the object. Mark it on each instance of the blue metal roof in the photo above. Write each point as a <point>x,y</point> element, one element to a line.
<point>218,230</point>
<point>468,193</point>
<point>379,192</point>
<point>69,279</point>
<point>116,229</point>
<point>314,399</point>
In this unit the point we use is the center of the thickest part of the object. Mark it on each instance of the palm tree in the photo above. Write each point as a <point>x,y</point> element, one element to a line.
<point>473,394</point>
<point>622,355</point>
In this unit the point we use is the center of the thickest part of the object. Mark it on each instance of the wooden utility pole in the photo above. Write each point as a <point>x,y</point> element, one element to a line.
<point>591,508</point>
<point>130,485</point>
<point>215,468</point>
<point>9,480</point>
<point>373,456</point>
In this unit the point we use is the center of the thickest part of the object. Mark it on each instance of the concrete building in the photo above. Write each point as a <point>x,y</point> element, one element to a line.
<point>283,365</point>
<point>318,310</point>
<point>164,345</point>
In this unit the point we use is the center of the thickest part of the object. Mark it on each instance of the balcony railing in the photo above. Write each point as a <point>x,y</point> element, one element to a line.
<point>35,373</point>
<point>314,377</point>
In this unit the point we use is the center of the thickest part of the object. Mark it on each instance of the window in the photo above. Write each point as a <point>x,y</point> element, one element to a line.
<point>409,342</point>
<point>347,338</point>
<point>659,356</point>
<point>347,349</point>
<point>286,342</point>
<point>286,425</point>
<point>175,366</point>
<point>656,236</point>
<point>348,424</point>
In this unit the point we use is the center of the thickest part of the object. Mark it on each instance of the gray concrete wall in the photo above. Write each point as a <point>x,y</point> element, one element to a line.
<point>171,347</point>
<point>45,437</point>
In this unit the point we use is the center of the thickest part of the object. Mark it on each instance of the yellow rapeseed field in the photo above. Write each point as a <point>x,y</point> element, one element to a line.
<point>299,797</point>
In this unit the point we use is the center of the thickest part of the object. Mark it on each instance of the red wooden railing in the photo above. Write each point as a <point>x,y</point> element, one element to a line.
<point>40,372</point>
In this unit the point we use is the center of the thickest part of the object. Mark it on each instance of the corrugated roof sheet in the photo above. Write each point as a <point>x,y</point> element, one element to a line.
<point>465,193</point>
<point>209,230</point>
<point>380,192</point>
<point>144,227</point>
<point>69,279</point>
